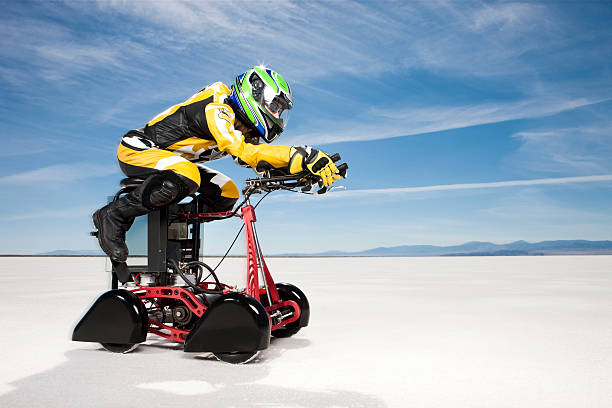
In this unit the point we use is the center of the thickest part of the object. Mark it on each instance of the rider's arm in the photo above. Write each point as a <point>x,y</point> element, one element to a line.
<point>220,119</point>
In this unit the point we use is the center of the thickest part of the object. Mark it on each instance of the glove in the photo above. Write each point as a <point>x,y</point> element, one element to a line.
<point>318,163</point>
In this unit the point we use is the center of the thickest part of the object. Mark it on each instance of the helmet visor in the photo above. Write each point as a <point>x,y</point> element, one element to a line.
<point>278,108</point>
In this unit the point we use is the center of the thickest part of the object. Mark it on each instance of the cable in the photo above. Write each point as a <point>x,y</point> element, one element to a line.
<point>238,234</point>
<point>178,270</point>
<point>229,249</point>
<point>202,265</point>
<point>261,199</point>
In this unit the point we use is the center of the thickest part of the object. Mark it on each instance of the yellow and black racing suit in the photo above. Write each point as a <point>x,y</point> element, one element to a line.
<point>185,135</point>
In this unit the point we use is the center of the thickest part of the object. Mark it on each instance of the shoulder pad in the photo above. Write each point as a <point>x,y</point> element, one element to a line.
<point>219,88</point>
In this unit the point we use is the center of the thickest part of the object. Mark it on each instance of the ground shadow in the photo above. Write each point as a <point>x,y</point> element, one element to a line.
<point>96,378</point>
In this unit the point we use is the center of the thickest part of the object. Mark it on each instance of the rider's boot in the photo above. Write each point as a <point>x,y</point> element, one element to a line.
<point>116,218</point>
<point>113,221</point>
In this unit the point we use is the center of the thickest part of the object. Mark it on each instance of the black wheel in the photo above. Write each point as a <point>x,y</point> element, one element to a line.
<point>286,331</point>
<point>119,348</point>
<point>287,291</point>
<point>236,357</point>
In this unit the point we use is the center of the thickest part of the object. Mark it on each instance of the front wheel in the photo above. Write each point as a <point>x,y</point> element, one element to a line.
<point>284,332</point>
<point>236,357</point>
<point>287,291</point>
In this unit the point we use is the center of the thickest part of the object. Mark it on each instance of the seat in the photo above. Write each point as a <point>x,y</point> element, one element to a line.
<point>131,182</point>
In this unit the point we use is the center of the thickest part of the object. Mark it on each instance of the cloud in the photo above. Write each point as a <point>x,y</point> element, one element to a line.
<point>582,149</point>
<point>506,16</point>
<point>482,40</point>
<point>376,192</point>
<point>307,40</point>
<point>287,33</point>
<point>59,173</point>
<point>51,51</point>
<point>80,212</point>
<point>79,56</point>
<point>36,148</point>
<point>497,184</point>
<point>388,123</point>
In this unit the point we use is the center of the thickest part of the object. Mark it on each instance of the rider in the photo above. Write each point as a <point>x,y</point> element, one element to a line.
<point>213,123</point>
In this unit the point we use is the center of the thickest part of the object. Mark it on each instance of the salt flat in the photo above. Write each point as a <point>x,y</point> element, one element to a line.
<point>385,332</point>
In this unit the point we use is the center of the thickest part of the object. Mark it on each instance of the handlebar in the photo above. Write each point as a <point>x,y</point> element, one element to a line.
<point>304,180</point>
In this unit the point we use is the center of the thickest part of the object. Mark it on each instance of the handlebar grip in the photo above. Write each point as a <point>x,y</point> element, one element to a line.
<point>342,169</point>
<point>335,157</point>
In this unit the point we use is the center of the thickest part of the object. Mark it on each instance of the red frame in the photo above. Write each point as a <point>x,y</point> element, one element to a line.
<point>252,284</point>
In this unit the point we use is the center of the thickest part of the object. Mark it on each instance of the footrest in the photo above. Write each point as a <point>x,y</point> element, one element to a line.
<point>207,216</point>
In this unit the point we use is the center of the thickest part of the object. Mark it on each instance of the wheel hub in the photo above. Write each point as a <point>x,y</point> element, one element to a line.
<point>181,315</point>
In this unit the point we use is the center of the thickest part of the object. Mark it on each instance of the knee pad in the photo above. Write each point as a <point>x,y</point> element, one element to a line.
<point>165,194</point>
<point>165,188</point>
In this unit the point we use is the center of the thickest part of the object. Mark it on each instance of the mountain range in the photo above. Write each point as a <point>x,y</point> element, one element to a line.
<point>478,248</point>
<point>474,248</point>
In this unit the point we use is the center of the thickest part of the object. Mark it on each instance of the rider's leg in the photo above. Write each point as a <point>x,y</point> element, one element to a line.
<point>170,178</point>
<point>217,191</point>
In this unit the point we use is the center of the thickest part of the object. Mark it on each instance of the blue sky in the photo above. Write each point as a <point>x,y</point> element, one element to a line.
<point>460,120</point>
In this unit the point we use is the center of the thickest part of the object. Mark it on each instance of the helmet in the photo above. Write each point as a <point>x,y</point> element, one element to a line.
<point>262,100</point>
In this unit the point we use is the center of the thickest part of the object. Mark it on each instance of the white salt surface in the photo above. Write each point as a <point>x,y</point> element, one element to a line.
<point>385,332</point>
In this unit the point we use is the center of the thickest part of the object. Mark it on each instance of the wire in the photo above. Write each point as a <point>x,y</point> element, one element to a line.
<point>237,235</point>
<point>202,265</point>
<point>261,199</point>
<point>177,269</point>
<point>228,250</point>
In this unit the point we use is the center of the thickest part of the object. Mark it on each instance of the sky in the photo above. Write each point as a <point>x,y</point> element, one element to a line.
<point>460,120</point>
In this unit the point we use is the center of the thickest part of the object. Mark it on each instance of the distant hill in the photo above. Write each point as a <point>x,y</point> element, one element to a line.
<point>477,248</point>
<point>84,252</point>
<point>474,248</point>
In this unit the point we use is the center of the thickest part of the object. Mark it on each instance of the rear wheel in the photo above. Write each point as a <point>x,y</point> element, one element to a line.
<point>237,357</point>
<point>119,348</point>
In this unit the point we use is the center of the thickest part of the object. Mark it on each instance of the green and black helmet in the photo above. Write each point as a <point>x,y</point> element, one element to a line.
<point>263,100</point>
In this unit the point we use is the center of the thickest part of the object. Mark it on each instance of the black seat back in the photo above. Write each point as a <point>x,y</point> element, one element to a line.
<point>131,182</point>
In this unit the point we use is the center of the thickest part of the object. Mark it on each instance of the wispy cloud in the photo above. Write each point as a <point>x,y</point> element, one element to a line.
<point>384,124</point>
<point>305,41</point>
<point>52,53</point>
<point>59,173</point>
<point>35,149</point>
<point>79,212</point>
<point>51,49</point>
<point>464,186</point>
<point>483,39</point>
<point>508,16</point>
<point>583,149</point>
<point>348,36</point>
